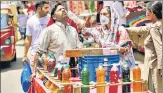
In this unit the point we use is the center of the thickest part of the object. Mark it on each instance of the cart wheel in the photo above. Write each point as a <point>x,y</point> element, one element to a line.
<point>14,59</point>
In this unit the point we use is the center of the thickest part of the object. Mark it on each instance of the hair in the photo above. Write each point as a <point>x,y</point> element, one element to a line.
<point>148,6</point>
<point>40,4</point>
<point>108,9</point>
<point>24,2</point>
<point>156,8</point>
<point>17,8</point>
<point>54,9</point>
<point>100,2</point>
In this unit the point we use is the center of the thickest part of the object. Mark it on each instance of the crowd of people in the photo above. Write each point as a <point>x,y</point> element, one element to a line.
<point>54,33</point>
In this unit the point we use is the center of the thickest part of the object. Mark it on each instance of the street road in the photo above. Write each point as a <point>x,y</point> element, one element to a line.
<point>10,74</point>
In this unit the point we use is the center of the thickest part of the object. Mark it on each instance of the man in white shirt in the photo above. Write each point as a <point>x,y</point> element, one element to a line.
<point>58,37</point>
<point>35,26</point>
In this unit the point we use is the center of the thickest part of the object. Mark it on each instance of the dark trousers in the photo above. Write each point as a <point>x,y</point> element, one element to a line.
<point>72,64</point>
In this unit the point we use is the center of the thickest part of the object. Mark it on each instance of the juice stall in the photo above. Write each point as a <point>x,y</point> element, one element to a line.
<point>88,79</point>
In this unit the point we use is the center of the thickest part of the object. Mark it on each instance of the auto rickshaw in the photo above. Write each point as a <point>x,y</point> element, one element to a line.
<point>7,33</point>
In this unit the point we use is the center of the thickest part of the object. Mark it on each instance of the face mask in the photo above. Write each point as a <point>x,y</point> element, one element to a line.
<point>104,20</point>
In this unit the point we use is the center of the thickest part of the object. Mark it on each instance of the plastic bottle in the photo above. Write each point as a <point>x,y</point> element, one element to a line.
<point>106,67</point>
<point>100,77</point>
<point>59,71</point>
<point>66,75</point>
<point>56,69</point>
<point>45,80</point>
<point>51,63</point>
<point>114,75</point>
<point>137,86</point>
<point>126,77</point>
<point>41,76</point>
<point>51,88</point>
<point>47,84</point>
<point>62,68</point>
<point>85,79</point>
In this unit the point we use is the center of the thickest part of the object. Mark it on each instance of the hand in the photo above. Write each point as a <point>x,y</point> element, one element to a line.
<point>85,43</point>
<point>25,59</point>
<point>123,50</point>
<point>32,77</point>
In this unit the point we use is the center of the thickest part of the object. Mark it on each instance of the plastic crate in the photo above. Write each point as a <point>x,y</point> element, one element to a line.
<point>93,62</point>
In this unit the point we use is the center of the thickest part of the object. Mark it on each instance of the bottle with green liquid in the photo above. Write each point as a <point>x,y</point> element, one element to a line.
<point>85,79</point>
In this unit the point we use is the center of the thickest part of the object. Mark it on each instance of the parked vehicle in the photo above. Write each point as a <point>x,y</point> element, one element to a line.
<point>8,28</point>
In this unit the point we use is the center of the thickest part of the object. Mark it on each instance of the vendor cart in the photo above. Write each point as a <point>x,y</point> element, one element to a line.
<point>53,85</point>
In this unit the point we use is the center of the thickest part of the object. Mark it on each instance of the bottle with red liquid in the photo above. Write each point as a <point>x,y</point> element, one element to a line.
<point>100,77</point>
<point>66,75</point>
<point>137,86</point>
<point>114,75</point>
<point>51,63</point>
<point>56,68</point>
<point>60,70</point>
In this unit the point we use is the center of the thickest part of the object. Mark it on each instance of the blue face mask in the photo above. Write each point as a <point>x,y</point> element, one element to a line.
<point>104,20</point>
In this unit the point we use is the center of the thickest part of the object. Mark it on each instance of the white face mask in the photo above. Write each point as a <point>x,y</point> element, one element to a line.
<point>104,20</point>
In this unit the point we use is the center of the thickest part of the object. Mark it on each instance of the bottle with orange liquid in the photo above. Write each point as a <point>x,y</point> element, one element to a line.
<point>41,76</point>
<point>52,87</point>
<point>137,86</point>
<point>47,84</point>
<point>66,75</point>
<point>100,78</point>
<point>114,75</point>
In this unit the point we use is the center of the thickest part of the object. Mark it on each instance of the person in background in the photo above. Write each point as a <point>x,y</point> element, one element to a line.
<point>153,46</point>
<point>130,4</point>
<point>22,20</point>
<point>99,7</point>
<point>29,8</point>
<point>120,12</point>
<point>35,26</point>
